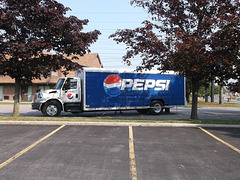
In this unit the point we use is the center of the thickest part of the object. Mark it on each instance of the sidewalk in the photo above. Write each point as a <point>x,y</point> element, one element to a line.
<point>59,123</point>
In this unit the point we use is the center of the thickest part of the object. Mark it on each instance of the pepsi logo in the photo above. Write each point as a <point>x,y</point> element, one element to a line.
<point>70,96</point>
<point>112,85</point>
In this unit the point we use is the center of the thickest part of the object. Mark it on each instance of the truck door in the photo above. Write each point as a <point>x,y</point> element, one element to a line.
<point>71,91</point>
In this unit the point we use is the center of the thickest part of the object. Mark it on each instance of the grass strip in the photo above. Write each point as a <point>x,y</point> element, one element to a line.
<point>11,103</point>
<point>88,119</point>
<point>216,104</point>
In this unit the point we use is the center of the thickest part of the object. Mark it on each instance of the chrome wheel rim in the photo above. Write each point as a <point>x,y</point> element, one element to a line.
<point>51,110</point>
<point>157,108</point>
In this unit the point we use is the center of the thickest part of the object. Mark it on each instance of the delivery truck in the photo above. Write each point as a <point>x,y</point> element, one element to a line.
<point>95,89</point>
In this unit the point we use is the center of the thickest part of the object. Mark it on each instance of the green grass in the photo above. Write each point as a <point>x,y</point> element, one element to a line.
<point>216,104</point>
<point>84,119</point>
<point>11,103</point>
<point>80,119</point>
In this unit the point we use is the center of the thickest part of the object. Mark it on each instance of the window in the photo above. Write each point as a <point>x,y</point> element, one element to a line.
<point>54,73</point>
<point>73,84</point>
<point>48,74</point>
<point>26,93</point>
<point>70,84</point>
<point>43,88</point>
<point>1,93</point>
<point>59,83</point>
<point>6,97</point>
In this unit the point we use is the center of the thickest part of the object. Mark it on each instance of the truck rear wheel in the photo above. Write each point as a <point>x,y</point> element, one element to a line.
<point>156,107</point>
<point>51,108</point>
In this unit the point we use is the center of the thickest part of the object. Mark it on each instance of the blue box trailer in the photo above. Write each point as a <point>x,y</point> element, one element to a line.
<point>95,89</point>
<point>121,90</point>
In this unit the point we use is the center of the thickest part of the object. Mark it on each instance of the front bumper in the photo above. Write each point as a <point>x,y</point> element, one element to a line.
<point>36,106</point>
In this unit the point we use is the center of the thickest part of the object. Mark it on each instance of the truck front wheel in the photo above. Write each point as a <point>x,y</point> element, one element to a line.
<point>156,107</point>
<point>51,108</point>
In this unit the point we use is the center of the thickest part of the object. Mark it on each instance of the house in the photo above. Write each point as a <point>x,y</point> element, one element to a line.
<point>27,92</point>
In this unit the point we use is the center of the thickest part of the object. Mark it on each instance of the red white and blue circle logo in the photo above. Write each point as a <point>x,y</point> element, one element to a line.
<point>70,96</point>
<point>112,85</point>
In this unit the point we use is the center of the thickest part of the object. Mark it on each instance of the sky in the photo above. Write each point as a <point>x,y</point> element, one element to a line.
<point>107,16</point>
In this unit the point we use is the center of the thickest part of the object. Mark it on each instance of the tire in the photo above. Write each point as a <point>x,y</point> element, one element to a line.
<point>51,108</point>
<point>167,110</point>
<point>156,107</point>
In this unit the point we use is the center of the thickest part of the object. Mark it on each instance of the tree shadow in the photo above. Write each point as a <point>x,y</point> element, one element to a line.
<point>231,132</point>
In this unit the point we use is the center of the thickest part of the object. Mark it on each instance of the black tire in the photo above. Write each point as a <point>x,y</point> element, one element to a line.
<point>156,107</point>
<point>167,110</point>
<point>51,108</point>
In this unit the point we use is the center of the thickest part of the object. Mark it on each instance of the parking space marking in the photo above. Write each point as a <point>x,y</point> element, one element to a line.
<point>133,169</point>
<point>29,147</point>
<point>220,140</point>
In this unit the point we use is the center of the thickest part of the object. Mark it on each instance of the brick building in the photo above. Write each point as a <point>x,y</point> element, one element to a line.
<point>27,92</point>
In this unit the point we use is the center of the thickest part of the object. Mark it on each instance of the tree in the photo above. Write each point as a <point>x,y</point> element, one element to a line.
<point>30,27</point>
<point>234,86</point>
<point>186,36</point>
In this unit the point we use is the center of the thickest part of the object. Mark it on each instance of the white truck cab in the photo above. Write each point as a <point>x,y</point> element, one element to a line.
<point>65,96</point>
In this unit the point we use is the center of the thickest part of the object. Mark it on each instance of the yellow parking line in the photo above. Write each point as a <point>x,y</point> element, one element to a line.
<point>220,140</point>
<point>133,169</point>
<point>29,147</point>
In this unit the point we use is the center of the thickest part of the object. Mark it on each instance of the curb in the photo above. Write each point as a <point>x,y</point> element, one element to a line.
<point>115,124</point>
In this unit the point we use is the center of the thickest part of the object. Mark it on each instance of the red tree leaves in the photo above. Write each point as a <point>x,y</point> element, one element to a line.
<point>197,38</point>
<point>191,37</point>
<point>30,27</point>
<point>143,42</point>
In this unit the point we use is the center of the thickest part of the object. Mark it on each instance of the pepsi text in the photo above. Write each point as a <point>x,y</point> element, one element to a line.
<point>145,84</point>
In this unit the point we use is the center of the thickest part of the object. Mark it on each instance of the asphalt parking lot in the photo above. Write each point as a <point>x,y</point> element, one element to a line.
<point>97,152</point>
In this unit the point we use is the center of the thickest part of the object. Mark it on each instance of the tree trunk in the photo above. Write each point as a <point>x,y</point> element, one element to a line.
<point>195,88</point>
<point>188,90</point>
<point>221,94</point>
<point>206,94</point>
<point>212,91</point>
<point>16,99</point>
<point>188,97</point>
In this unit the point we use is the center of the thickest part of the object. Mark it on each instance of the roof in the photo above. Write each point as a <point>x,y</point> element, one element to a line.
<point>88,60</point>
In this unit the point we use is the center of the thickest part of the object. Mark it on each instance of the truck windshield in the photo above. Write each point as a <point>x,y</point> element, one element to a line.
<point>59,83</point>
